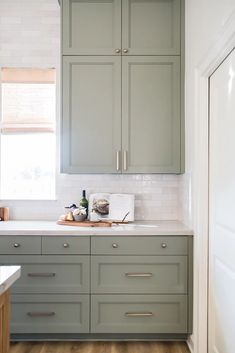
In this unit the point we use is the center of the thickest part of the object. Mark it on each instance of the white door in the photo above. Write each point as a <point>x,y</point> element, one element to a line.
<point>222,209</point>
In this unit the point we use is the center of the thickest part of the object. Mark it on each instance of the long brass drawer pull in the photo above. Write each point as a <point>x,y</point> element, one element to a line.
<point>124,160</point>
<point>40,314</point>
<point>46,274</point>
<point>118,160</point>
<point>133,274</point>
<point>144,314</point>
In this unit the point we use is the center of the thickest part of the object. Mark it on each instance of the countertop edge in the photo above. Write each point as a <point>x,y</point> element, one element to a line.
<point>13,276</point>
<point>50,228</point>
<point>77,234</point>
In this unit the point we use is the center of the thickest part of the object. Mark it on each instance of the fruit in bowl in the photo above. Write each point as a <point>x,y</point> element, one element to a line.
<point>79,214</point>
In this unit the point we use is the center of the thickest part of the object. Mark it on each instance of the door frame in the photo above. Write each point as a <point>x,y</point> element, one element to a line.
<point>221,48</point>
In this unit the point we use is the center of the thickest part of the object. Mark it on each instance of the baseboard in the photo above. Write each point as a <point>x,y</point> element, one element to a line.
<point>190,344</point>
<point>98,337</point>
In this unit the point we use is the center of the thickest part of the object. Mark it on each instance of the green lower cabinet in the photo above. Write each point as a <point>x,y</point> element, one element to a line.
<point>139,274</point>
<point>100,287</point>
<point>139,314</point>
<point>50,314</point>
<point>146,245</point>
<point>65,245</point>
<point>50,274</point>
<point>20,245</point>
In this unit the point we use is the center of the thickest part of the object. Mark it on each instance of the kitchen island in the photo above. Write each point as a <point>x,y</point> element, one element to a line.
<point>8,275</point>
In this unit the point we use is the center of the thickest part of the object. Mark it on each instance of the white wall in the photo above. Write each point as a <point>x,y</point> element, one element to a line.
<point>206,23</point>
<point>30,36</point>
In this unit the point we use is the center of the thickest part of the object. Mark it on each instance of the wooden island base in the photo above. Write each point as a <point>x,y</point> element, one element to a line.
<point>5,322</point>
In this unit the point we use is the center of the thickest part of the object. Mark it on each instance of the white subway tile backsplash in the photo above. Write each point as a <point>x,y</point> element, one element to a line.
<point>160,203</point>
<point>30,36</point>
<point>50,20</point>
<point>185,198</point>
<point>11,20</point>
<point>48,6</point>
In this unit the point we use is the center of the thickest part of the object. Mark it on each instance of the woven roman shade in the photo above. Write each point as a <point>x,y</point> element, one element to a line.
<point>28,100</point>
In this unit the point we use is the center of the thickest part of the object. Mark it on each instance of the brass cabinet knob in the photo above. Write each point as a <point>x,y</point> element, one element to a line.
<point>125,51</point>
<point>66,245</point>
<point>117,50</point>
<point>115,246</point>
<point>16,245</point>
<point>163,245</point>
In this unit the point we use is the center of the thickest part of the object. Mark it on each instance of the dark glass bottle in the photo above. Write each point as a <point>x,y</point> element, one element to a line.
<point>83,202</point>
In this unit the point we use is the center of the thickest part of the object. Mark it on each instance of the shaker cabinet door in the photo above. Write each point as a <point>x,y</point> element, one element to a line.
<point>151,119</point>
<point>50,313</point>
<point>121,313</point>
<point>151,27</point>
<point>91,27</point>
<point>91,124</point>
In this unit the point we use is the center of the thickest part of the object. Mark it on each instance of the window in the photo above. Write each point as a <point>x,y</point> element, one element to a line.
<point>28,154</point>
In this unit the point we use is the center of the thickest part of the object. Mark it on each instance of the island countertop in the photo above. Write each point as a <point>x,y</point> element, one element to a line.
<point>50,228</point>
<point>8,275</point>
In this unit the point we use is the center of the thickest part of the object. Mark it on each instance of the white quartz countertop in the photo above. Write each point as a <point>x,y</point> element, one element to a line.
<point>8,275</point>
<point>48,228</point>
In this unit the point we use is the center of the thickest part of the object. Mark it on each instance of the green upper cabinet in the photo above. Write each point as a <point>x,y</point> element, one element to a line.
<point>91,124</point>
<point>91,27</point>
<point>114,27</point>
<point>151,114</point>
<point>151,27</point>
<point>122,86</point>
<point>146,140</point>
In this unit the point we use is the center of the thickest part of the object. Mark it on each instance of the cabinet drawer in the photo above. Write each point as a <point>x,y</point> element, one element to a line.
<point>139,274</point>
<point>46,274</point>
<point>139,314</point>
<point>20,245</point>
<point>163,245</point>
<point>50,314</point>
<point>65,245</point>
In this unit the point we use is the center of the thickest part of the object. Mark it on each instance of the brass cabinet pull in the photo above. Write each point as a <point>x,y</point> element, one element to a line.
<point>41,274</point>
<point>16,245</point>
<point>163,245</point>
<point>118,160</point>
<point>133,274</point>
<point>41,313</point>
<point>124,160</point>
<point>66,245</point>
<point>125,50</point>
<point>138,314</point>
<point>118,50</point>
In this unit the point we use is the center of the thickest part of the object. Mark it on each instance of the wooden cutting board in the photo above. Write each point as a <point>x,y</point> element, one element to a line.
<point>84,223</point>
